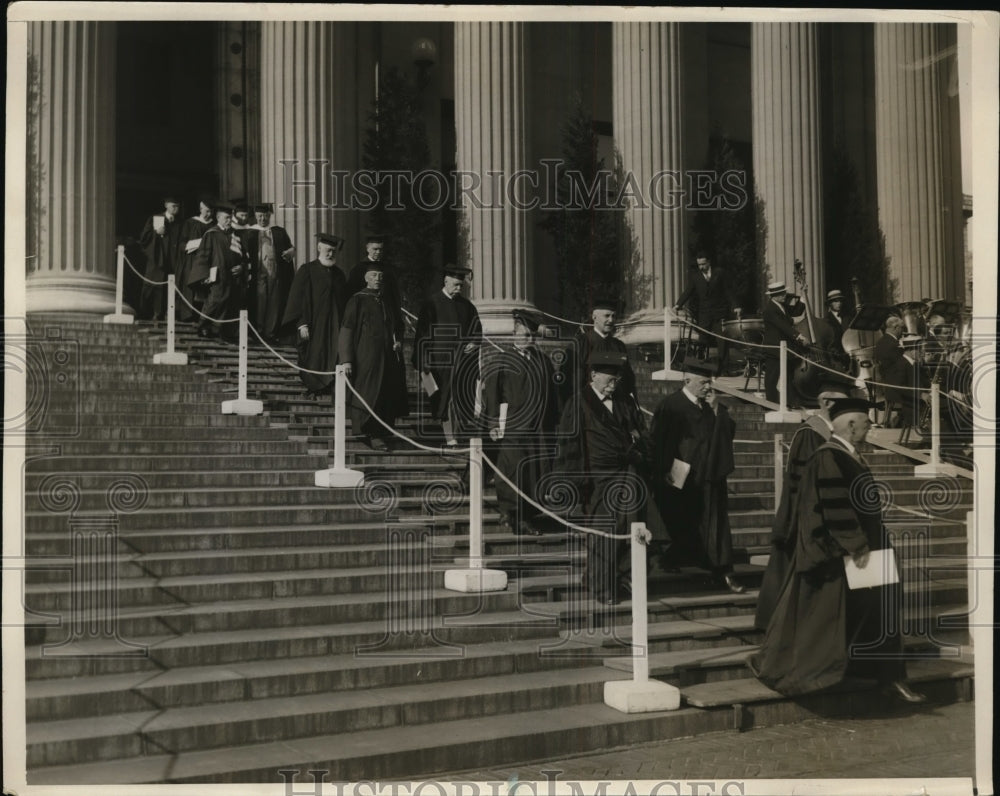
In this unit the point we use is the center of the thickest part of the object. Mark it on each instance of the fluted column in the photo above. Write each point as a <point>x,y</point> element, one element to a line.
<point>71,158</point>
<point>648,123</point>
<point>310,117</point>
<point>787,149</point>
<point>491,134</point>
<point>919,158</point>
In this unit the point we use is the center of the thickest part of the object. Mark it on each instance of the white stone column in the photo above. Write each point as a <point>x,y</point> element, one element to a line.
<point>787,149</point>
<point>491,133</point>
<point>919,158</point>
<point>310,116</point>
<point>647,117</point>
<point>72,126</point>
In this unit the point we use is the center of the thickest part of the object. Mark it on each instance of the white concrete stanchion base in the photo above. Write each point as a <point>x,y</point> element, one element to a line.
<point>667,375</point>
<point>116,318</point>
<point>245,406</point>
<point>170,358</point>
<point>628,696</point>
<point>340,479</point>
<point>930,470</point>
<point>782,417</point>
<point>475,580</point>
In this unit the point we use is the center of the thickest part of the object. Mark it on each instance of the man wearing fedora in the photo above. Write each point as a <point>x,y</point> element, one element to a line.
<point>835,320</point>
<point>778,326</point>
<point>710,288</point>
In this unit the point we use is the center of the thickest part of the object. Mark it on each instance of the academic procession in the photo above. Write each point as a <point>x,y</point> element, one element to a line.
<point>375,474</point>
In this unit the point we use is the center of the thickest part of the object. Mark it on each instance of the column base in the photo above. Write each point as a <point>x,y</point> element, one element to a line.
<point>120,318</point>
<point>495,315</point>
<point>475,580</point>
<point>782,417</point>
<point>339,478</point>
<point>629,696</point>
<point>89,293</point>
<point>932,470</point>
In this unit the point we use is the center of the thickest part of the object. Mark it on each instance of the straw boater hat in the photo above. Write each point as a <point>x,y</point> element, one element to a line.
<point>834,295</point>
<point>776,289</point>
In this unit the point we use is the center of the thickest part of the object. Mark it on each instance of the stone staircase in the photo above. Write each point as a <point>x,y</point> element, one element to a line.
<point>199,612</point>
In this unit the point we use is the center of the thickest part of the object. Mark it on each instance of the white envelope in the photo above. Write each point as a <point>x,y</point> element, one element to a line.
<point>502,422</point>
<point>428,383</point>
<point>879,571</point>
<point>192,245</point>
<point>678,473</point>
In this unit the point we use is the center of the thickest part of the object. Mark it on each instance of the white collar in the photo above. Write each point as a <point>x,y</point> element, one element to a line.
<point>691,397</point>
<point>450,298</point>
<point>600,334</point>
<point>845,443</point>
<point>602,398</point>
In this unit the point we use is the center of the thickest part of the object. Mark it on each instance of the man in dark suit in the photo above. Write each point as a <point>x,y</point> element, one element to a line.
<point>837,324</point>
<point>892,367</point>
<point>714,301</point>
<point>602,453</point>
<point>777,327</point>
<point>692,443</point>
<point>822,631</point>
<point>446,348</point>
<point>521,412</point>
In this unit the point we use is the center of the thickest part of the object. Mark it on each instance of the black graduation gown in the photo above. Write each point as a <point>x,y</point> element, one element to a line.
<point>390,283</point>
<point>317,300</point>
<point>819,627</point>
<point>444,327</point>
<point>524,456</point>
<point>192,229</point>
<point>161,253</point>
<point>367,334</point>
<point>808,437</point>
<point>697,516</point>
<point>587,342</point>
<point>270,301</point>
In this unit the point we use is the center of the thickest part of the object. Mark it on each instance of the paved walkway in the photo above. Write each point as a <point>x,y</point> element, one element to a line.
<point>934,742</point>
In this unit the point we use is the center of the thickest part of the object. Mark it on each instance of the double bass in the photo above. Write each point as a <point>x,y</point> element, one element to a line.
<point>819,337</point>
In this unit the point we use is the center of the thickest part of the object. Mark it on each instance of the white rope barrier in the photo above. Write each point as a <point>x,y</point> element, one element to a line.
<point>119,316</point>
<point>143,278</point>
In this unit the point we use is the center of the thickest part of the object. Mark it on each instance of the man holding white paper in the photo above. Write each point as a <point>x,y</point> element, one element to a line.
<point>823,630</point>
<point>692,436</point>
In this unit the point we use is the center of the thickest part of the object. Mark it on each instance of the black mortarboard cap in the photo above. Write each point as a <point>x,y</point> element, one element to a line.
<point>698,367</point>
<point>604,303</point>
<point>375,237</point>
<point>530,319</point>
<point>831,382</point>
<point>263,207</point>
<point>330,240</point>
<point>457,271</point>
<point>171,197</point>
<point>842,406</point>
<point>240,204</point>
<point>608,361</point>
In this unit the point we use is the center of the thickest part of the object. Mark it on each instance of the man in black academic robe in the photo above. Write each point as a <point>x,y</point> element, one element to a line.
<point>714,299</point>
<point>598,338</point>
<point>777,327</point>
<point>692,428</point>
<point>446,348</point>
<point>159,239</point>
<point>189,241</point>
<point>821,631</point>
<point>520,393</point>
<point>370,346</point>
<point>375,253</point>
<point>602,455</point>
<point>315,309</point>
<point>275,258</point>
<point>815,431</point>
<point>220,271</point>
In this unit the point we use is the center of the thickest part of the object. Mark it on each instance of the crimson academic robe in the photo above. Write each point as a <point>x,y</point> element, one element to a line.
<point>161,253</point>
<point>808,437</point>
<point>822,632</point>
<point>696,516</point>
<point>525,382</point>
<point>367,334</point>
<point>444,327</point>
<point>192,229</point>
<point>316,300</point>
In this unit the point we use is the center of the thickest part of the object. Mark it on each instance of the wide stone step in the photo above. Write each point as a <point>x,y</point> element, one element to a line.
<point>190,479</point>
<point>153,419</point>
<point>403,752</point>
<point>241,433</point>
<point>236,463</point>
<point>191,447</point>
<point>80,662</point>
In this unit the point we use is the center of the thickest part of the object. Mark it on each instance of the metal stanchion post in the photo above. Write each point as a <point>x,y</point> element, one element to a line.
<point>475,578</point>
<point>779,468</point>
<point>640,694</point>
<point>782,415</point>
<point>242,405</point>
<point>170,357</point>
<point>668,373</point>
<point>339,475</point>
<point>935,466</point>
<point>119,316</point>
